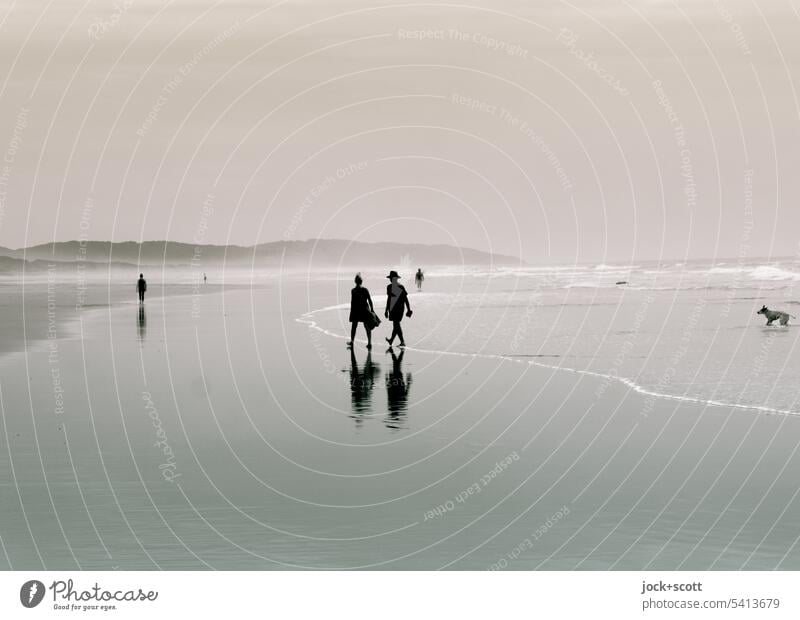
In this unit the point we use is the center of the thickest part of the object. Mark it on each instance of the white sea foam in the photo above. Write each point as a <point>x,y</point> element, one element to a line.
<point>559,311</point>
<point>760,272</point>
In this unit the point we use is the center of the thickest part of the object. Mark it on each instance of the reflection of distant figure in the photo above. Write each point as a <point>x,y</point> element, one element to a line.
<point>397,388</point>
<point>361,383</point>
<point>361,311</point>
<point>141,323</point>
<point>141,286</point>
<point>419,278</point>
<point>396,302</point>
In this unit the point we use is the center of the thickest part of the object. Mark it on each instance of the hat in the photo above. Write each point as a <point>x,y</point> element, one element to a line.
<point>393,274</point>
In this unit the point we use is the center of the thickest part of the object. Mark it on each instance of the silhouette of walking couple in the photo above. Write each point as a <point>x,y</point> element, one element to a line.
<point>362,310</point>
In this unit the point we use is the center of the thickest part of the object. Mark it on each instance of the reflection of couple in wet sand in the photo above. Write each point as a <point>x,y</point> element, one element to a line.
<point>362,310</point>
<point>362,382</point>
<point>397,387</point>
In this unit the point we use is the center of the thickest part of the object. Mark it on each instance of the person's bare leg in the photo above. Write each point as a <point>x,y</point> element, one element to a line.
<point>369,337</point>
<point>352,333</point>
<point>399,331</point>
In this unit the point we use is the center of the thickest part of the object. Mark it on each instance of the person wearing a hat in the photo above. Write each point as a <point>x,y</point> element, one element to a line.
<point>396,303</point>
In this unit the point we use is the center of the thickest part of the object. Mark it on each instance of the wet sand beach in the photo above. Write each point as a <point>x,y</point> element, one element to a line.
<point>222,432</point>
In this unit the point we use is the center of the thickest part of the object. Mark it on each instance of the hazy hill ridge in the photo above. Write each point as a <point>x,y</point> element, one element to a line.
<point>314,252</point>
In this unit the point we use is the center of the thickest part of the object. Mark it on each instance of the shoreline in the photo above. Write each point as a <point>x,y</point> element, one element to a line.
<point>28,306</point>
<point>306,319</point>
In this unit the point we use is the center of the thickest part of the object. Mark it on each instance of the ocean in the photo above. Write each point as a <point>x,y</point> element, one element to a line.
<point>677,330</point>
<point>540,418</point>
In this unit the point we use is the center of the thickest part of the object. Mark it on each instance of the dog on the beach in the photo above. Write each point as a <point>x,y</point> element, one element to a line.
<point>775,315</point>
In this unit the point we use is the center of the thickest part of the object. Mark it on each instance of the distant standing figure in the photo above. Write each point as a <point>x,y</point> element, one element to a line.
<point>205,279</point>
<point>396,302</point>
<point>361,311</point>
<point>419,279</point>
<point>141,286</point>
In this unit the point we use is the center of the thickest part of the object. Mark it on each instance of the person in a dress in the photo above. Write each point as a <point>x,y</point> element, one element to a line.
<point>361,310</point>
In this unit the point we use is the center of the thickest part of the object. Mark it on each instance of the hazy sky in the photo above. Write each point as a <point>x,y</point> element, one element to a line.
<point>584,130</point>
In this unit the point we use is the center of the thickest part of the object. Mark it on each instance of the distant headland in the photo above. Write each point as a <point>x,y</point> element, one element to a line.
<point>291,254</point>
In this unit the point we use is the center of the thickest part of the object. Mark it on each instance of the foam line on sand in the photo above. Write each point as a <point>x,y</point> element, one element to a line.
<point>309,320</point>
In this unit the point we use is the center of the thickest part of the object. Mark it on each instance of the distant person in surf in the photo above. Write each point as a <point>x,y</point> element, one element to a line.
<point>396,303</point>
<point>205,279</point>
<point>361,311</point>
<point>141,287</point>
<point>419,278</point>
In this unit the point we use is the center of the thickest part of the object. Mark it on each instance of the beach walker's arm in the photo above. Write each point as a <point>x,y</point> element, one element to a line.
<point>369,301</point>
<point>388,300</point>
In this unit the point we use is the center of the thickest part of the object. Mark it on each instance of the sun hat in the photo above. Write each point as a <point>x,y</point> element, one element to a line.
<point>393,274</point>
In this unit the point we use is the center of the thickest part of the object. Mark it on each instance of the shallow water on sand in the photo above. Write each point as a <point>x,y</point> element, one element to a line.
<point>219,431</point>
<point>686,332</point>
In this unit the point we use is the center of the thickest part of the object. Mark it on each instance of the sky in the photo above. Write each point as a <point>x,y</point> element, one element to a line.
<point>555,131</point>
